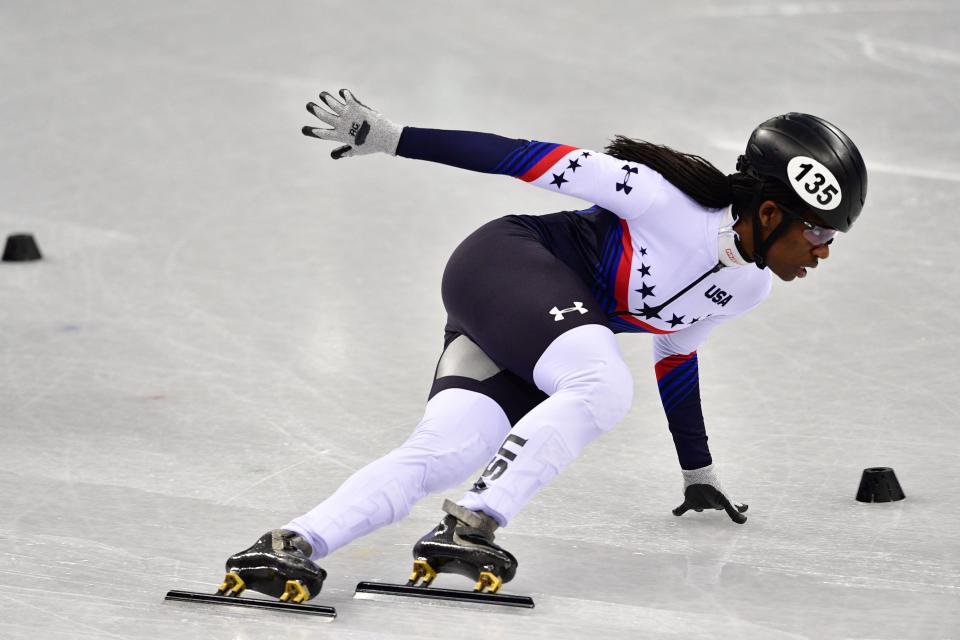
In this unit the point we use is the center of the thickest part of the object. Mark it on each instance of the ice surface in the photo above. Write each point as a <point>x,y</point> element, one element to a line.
<point>227,322</point>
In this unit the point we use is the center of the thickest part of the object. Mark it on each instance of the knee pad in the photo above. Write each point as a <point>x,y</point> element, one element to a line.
<point>585,363</point>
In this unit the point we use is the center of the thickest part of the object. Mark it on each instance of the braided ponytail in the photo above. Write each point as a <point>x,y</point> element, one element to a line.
<point>693,175</point>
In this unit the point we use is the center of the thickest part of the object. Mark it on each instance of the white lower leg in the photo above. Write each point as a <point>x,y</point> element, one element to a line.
<point>590,390</point>
<point>459,431</point>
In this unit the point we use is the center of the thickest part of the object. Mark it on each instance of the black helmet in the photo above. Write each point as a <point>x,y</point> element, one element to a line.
<point>817,160</point>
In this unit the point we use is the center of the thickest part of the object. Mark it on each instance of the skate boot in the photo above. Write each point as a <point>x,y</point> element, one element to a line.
<point>279,565</point>
<point>463,544</point>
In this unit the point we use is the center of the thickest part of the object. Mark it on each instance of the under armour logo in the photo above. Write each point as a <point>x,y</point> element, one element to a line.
<point>625,186</point>
<point>558,313</point>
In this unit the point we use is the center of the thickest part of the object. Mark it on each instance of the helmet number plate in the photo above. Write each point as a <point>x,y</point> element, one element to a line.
<point>814,183</point>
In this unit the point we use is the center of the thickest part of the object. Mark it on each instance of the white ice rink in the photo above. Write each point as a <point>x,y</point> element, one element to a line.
<point>227,322</point>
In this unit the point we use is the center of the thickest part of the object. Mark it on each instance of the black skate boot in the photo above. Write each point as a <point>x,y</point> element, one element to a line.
<point>279,565</point>
<point>463,544</point>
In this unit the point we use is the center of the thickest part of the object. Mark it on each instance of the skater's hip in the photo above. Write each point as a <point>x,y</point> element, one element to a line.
<point>505,289</point>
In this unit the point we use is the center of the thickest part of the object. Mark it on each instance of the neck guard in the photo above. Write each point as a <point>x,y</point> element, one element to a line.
<point>728,242</point>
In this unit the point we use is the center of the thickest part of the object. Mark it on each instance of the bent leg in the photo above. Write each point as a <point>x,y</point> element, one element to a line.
<point>537,318</point>
<point>590,389</point>
<point>459,431</point>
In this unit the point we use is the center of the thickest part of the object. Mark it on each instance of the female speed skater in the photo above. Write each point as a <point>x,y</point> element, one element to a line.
<point>530,372</point>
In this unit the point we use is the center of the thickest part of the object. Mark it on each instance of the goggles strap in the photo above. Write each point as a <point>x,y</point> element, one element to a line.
<point>760,253</point>
<point>760,248</point>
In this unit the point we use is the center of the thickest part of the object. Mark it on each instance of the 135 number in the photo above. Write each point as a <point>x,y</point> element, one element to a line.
<point>819,187</point>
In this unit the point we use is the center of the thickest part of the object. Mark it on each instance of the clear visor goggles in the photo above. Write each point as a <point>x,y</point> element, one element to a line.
<point>815,234</point>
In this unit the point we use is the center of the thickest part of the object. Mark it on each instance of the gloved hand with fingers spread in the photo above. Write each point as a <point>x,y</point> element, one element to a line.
<point>354,123</point>
<point>702,490</point>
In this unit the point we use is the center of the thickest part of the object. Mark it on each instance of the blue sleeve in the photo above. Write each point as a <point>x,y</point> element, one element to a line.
<point>678,379</point>
<point>469,150</point>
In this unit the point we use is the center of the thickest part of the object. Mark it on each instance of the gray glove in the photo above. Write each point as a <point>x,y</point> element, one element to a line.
<point>702,490</point>
<point>360,127</point>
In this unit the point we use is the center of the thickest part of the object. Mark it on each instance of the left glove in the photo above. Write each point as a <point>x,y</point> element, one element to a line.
<point>354,123</point>
<point>702,490</point>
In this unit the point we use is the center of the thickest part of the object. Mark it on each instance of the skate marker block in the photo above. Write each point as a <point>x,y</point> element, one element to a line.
<point>452,595</point>
<point>255,603</point>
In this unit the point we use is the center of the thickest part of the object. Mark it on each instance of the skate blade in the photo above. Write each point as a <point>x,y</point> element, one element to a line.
<point>367,590</point>
<point>253,603</point>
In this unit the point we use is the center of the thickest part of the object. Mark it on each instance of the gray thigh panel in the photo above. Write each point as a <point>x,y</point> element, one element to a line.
<point>465,359</point>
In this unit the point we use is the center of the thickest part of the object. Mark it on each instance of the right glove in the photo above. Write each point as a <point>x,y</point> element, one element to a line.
<point>360,127</point>
<point>702,490</point>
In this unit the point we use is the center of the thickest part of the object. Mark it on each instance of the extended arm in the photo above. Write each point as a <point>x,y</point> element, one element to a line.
<point>678,379</point>
<point>624,188</point>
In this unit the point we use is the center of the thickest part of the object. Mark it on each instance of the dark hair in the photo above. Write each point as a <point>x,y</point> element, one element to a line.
<point>699,179</point>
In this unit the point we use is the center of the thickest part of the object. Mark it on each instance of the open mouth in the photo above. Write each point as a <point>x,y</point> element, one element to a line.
<point>802,271</point>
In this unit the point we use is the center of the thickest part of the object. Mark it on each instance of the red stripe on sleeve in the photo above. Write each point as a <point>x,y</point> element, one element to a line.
<point>668,364</point>
<point>546,162</point>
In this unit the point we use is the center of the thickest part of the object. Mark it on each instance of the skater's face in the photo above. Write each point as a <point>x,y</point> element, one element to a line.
<point>800,247</point>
